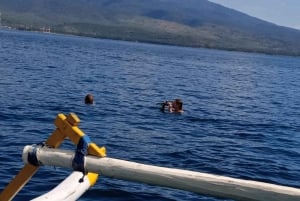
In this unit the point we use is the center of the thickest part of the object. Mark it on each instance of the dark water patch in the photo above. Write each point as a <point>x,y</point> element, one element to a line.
<point>52,67</point>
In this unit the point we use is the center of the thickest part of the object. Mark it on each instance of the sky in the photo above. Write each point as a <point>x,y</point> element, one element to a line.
<point>281,12</point>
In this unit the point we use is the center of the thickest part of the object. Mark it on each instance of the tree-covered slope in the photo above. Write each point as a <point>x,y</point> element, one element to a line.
<point>196,23</point>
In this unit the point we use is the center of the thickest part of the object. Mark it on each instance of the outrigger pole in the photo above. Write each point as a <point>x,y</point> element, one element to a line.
<point>66,127</point>
<point>201,183</point>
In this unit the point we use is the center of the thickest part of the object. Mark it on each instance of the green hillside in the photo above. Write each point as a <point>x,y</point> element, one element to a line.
<point>195,23</point>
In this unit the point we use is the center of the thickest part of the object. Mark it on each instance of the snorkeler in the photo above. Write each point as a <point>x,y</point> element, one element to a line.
<point>175,106</point>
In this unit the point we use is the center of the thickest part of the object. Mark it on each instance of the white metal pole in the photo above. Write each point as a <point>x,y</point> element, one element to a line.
<point>201,183</point>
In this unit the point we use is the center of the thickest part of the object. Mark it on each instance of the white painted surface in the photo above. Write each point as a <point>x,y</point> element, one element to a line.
<point>69,189</point>
<point>201,183</point>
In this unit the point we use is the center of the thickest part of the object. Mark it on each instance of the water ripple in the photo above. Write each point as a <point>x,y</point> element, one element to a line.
<point>241,114</point>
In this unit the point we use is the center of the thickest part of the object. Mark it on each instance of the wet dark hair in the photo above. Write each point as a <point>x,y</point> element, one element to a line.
<point>179,103</point>
<point>89,99</point>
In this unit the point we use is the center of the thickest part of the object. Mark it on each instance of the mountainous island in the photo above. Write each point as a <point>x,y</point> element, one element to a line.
<point>193,23</point>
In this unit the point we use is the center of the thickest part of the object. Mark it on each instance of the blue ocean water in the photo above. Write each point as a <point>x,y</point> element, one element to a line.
<point>241,119</point>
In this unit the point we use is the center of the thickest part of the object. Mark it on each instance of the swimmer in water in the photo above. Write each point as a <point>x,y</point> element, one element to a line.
<point>175,106</point>
<point>89,99</point>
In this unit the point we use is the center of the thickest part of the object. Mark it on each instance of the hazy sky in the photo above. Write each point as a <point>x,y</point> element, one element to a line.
<point>281,12</point>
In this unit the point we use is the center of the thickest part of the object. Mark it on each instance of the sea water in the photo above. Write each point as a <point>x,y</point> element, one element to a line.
<point>241,110</point>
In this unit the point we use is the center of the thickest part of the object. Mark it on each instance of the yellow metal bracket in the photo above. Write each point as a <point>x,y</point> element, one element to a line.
<point>66,127</point>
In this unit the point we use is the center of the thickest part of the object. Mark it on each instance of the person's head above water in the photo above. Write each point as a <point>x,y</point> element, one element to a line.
<point>177,105</point>
<point>89,99</point>
<point>173,106</point>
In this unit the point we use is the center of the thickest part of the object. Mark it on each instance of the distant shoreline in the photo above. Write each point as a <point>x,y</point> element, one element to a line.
<point>197,24</point>
<point>139,41</point>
